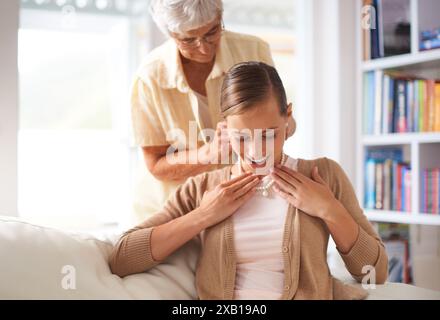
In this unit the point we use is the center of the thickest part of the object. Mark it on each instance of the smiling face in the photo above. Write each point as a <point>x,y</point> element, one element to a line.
<point>257,134</point>
<point>192,47</point>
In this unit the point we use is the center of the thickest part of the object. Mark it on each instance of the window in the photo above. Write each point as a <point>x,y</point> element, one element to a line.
<point>74,157</point>
<point>273,22</point>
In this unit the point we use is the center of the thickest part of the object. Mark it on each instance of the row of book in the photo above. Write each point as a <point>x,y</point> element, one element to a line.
<point>386,28</point>
<point>387,180</point>
<point>430,39</point>
<point>397,103</point>
<point>430,197</point>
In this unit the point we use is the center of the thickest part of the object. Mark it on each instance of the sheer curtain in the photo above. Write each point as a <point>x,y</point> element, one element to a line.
<point>76,62</point>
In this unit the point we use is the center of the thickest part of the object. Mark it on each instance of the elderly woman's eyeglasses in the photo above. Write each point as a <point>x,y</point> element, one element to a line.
<point>210,37</point>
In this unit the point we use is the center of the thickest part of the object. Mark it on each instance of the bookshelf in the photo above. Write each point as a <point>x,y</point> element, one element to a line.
<point>420,149</point>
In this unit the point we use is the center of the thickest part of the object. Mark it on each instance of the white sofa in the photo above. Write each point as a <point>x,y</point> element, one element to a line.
<point>44,263</point>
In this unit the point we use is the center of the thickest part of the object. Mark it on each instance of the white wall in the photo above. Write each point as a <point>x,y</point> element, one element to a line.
<point>9,22</point>
<point>328,56</point>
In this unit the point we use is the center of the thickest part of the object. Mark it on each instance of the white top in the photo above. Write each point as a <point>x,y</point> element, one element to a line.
<point>258,236</point>
<point>204,114</point>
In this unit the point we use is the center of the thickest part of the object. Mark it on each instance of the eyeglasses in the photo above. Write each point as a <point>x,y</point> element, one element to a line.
<point>211,37</point>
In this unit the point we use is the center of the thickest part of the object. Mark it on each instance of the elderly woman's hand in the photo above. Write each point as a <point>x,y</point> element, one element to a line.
<point>221,202</point>
<point>218,147</point>
<point>313,196</point>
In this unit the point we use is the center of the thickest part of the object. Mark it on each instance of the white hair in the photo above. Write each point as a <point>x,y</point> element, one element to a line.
<point>180,16</point>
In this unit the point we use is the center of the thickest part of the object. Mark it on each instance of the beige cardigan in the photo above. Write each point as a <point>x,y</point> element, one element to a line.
<point>305,239</point>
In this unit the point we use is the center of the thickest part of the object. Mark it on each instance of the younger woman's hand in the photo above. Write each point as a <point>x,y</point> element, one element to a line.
<point>222,201</point>
<point>313,196</point>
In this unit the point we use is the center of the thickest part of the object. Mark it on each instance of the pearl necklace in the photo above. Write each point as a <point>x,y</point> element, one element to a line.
<point>265,189</point>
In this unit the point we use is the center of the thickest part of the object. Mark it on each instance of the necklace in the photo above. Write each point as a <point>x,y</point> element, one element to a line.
<point>265,188</point>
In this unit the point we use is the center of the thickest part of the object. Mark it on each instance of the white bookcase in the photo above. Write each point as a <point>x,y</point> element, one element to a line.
<point>422,150</point>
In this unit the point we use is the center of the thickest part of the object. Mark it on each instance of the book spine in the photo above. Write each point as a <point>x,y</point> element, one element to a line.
<point>385,103</point>
<point>408,189</point>
<point>390,106</point>
<point>375,34</point>
<point>395,186</point>
<point>378,82</point>
<point>429,44</point>
<point>437,106</point>
<point>380,33</point>
<point>438,190</point>
<point>399,188</point>
<point>416,106</point>
<point>422,85</point>
<point>424,180</point>
<point>369,184</point>
<point>366,36</point>
<point>387,205</point>
<point>435,191</point>
<point>409,106</point>
<point>379,186</point>
<point>431,105</point>
<point>371,100</point>
<point>401,106</point>
<point>429,192</point>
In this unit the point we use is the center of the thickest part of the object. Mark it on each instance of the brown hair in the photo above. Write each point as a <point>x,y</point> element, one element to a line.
<point>248,83</point>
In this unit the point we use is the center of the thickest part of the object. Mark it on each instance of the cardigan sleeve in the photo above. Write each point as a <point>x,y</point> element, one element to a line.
<point>368,250</point>
<point>132,253</point>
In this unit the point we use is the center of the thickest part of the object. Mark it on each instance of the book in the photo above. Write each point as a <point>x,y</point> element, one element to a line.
<point>366,32</point>
<point>407,189</point>
<point>399,188</point>
<point>430,105</point>
<point>367,94</point>
<point>385,103</point>
<point>429,44</point>
<point>394,27</point>
<point>378,101</point>
<point>387,178</point>
<point>422,102</point>
<point>396,239</point>
<point>370,196</point>
<point>374,35</point>
<point>430,197</point>
<point>379,186</point>
<point>400,121</point>
<point>397,103</point>
<point>398,260</point>
<point>437,106</point>
<point>435,191</point>
<point>430,34</point>
<point>409,105</point>
<point>416,106</point>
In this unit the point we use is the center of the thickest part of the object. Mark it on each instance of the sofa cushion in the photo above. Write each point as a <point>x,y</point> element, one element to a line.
<point>41,263</point>
<point>37,263</point>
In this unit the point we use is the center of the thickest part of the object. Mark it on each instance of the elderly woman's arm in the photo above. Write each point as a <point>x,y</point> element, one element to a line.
<point>188,163</point>
<point>151,136</point>
<point>157,163</point>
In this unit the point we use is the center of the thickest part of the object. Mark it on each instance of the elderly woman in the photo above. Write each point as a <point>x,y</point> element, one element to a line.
<point>264,235</point>
<point>178,87</point>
